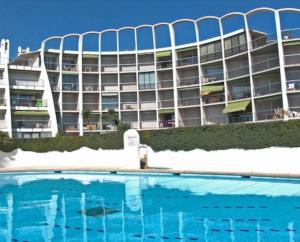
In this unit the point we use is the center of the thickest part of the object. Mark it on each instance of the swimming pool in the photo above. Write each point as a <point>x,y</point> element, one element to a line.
<point>131,207</point>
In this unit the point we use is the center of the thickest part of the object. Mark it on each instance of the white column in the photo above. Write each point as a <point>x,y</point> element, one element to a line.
<point>100,81</point>
<point>60,99</point>
<point>118,64</point>
<point>285,104</point>
<point>80,94</point>
<point>172,38</point>
<point>249,47</point>
<point>137,79</point>
<point>156,76</point>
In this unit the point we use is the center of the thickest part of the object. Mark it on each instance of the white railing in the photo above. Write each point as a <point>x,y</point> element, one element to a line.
<point>146,66</point>
<point>113,87</point>
<point>109,68</point>
<point>27,83</point>
<point>266,64</point>
<point>292,59</point>
<point>149,124</point>
<point>129,105</point>
<point>90,87</point>
<point>128,86</point>
<point>69,67</point>
<point>24,64</point>
<point>271,87</point>
<point>31,124</point>
<point>215,120</point>
<point>89,67</point>
<point>144,105</point>
<point>128,67</point>
<point>294,112</point>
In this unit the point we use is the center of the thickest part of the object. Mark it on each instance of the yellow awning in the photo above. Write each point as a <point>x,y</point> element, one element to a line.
<point>205,93</point>
<point>169,110</point>
<point>236,106</point>
<point>212,88</point>
<point>165,53</point>
<point>31,113</point>
<point>291,43</point>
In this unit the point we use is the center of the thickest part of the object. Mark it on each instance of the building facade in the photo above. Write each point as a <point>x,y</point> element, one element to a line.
<point>242,76</point>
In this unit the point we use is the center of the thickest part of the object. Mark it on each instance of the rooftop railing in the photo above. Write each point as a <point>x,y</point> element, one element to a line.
<point>2,124</point>
<point>289,34</point>
<point>22,63</point>
<point>266,64</point>
<point>191,60</point>
<point>292,59</point>
<point>188,81</point>
<point>271,87</point>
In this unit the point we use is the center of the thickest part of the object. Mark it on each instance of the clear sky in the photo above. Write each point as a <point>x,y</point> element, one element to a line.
<point>28,22</point>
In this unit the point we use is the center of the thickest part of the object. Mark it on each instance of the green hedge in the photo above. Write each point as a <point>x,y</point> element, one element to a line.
<point>246,136</point>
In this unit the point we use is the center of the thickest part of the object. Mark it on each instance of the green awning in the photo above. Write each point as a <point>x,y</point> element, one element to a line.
<point>165,53</point>
<point>30,113</point>
<point>236,106</point>
<point>187,49</point>
<point>212,88</point>
<point>291,43</point>
<point>170,110</point>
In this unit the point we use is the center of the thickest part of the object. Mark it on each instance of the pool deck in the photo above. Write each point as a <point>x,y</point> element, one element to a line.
<point>145,171</point>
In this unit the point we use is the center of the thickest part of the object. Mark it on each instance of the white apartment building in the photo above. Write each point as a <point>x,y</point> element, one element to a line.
<point>241,76</point>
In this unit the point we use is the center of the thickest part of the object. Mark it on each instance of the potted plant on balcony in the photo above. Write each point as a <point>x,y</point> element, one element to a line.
<point>86,115</point>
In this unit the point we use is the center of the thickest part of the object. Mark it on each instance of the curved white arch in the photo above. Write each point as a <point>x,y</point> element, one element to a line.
<point>231,15</point>
<point>183,20</point>
<point>264,9</point>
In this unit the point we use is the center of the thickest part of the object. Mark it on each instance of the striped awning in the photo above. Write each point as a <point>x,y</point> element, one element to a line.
<point>236,106</point>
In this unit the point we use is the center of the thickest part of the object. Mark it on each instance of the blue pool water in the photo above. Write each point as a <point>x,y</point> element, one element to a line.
<point>102,207</point>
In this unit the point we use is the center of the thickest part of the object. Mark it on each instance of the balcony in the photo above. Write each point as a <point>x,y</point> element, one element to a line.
<point>25,64</point>
<point>70,87</point>
<point>128,86</point>
<point>240,118</point>
<point>90,106</point>
<point>130,67</point>
<point>109,106</point>
<point>54,86</point>
<point>70,107</point>
<point>31,124</point>
<point>271,87</point>
<point>146,86</point>
<point>169,123</point>
<point>211,57</point>
<point>113,87</point>
<point>189,101</point>
<point>293,85</point>
<point>69,67</point>
<point>52,66</point>
<point>164,64</point>
<point>238,72</point>
<point>129,105</point>
<point>149,124</point>
<point>188,81</point>
<point>292,59</point>
<point>28,103</point>
<point>166,103</point>
<point>294,112</point>
<point>90,87</point>
<point>213,77</point>
<point>243,93</point>
<point>109,126</point>
<point>267,64</point>
<point>290,34</point>
<point>27,84</point>
<point>264,115</point>
<point>148,105</point>
<point>90,68</point>
<point>213,98</point>
<point>146,66</point>
<point>186,61</point>
<point>236,50</point>
<point>263,41</point>
<point>109,68</point>
<point>91,126</point>
<point>165,84</point>
<point>71,127</point>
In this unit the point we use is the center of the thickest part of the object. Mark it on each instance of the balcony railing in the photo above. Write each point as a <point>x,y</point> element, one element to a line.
<point>128,86</point>
<point>219,76</point>
<point>69,67</point>
<point>189,122</point>
<point>236,95</point>
<point>293,85</point>
<point>165,84</point>
<point>52,66</point>
<point>90,87</point>
<point>2,124</point>
<point>71,126</point>
<point>27,83</point>
<point>236,50</point>
<point>28,102</point>
<point>166,103</point>
<point>70,106</point>
<point>109,68</point>
<point>272,87</point>
<point>264,115</point>
<point>90,106</point>
<point>189,101</point>
<point>211,57</point>
<point>294,112</point>
<point>168,123</point>
<point>289,34</point>
<point>146,66</point>
<point>164,64</point>
<point>109,105</point>
<point>268,63</point>
<point>240,118</point>
<point>90,67</point>
<point>148,105</point>
<point>31,124</point>
<point>25,63</point>
<point>149,124</point>
<point>188,81</point>
<point>73,87</point>
<point>238,72</point>
<point>213,98</point>
<point>264,40</point>
<point>128,67</point>
<point>191,60</point>
<point>292,59</point>
<point>92,126</point>
<point>129,105</point>
<point>2,102</point>
<point>145,86</point>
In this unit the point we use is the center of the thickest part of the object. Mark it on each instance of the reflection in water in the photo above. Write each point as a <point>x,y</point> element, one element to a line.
<point>139,208</point>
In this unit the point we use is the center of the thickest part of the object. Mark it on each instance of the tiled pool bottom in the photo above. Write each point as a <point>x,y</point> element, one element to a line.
<point>100,207</point>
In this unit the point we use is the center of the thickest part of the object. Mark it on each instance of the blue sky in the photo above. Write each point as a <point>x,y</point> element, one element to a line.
<point>28,22</point>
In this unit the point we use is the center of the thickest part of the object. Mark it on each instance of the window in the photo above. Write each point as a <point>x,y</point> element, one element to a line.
<point>146,80</point>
